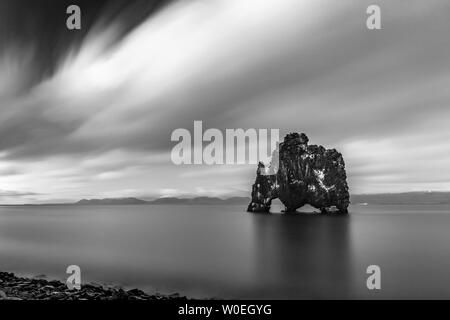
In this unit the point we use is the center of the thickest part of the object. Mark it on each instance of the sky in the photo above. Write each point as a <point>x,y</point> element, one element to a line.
<point>90,113</point>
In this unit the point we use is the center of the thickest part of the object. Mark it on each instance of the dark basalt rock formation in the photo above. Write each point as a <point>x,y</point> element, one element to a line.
<point>306,174</point>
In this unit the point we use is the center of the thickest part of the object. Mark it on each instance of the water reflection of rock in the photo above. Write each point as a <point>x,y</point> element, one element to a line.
<point>302,256</point>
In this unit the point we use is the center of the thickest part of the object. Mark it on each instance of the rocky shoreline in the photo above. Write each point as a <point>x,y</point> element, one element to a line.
<point>13,287</point>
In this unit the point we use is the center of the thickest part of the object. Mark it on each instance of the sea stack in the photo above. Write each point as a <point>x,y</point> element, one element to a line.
<point>305,174</point>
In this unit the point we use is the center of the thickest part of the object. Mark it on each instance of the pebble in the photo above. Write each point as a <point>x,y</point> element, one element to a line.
<point>17,288</point>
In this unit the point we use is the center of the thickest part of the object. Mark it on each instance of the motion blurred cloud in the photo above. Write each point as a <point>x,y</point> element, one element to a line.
<point>114,94</point>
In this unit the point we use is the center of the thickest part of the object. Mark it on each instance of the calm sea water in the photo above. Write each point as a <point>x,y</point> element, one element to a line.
<point>222,251</point>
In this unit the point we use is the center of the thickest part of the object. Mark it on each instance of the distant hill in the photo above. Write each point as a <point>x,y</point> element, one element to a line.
<point>407,198</point>
<point>167,201</point>
<point>110,201</point>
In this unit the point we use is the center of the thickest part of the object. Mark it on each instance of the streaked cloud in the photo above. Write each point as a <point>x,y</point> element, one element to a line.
<point>96,119</point>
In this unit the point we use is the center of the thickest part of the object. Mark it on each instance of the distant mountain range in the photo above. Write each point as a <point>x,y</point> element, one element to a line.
<point>407,198</point>
<point>110,201</point>
<point>166,201</point>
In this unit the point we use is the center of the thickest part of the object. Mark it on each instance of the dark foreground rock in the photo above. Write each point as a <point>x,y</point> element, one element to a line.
<point>18,288</point>
<point>304,174</point>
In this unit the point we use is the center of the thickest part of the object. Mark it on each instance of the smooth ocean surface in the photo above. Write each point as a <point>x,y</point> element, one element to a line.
<point>222,251</point>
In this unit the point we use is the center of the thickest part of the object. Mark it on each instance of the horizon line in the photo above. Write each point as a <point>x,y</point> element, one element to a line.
<point>196,197</point>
